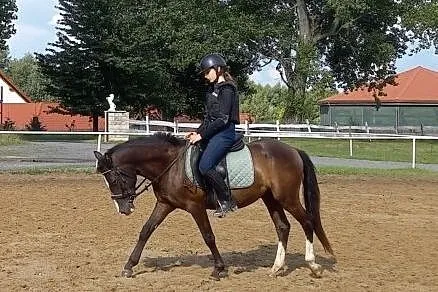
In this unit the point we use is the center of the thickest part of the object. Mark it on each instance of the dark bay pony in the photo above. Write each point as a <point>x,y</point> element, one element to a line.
<point>280,170</point>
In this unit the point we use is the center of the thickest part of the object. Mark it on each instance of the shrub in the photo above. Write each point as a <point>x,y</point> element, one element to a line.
<point>35,125</point>
<point>8,125</point>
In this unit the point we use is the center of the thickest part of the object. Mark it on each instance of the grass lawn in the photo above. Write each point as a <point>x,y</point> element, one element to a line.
<point>8,139</point>
<point>323,170</point>
<point>379,150</point>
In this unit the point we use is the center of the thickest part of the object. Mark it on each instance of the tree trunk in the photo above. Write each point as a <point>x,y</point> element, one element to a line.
<point>298,70</point>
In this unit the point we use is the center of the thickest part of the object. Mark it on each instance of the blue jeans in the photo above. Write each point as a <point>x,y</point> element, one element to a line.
<point>216,149</point>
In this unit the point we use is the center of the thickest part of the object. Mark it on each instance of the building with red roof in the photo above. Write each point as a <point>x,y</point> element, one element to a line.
<point>18,108</point>
<point>412,102</point>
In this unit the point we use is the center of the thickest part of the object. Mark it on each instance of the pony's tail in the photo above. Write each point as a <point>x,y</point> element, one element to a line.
<point>312,199</point>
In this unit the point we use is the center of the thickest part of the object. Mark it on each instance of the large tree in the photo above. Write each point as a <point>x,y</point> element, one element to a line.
<point>145,52</point>
<point>78,63</point>
<point>172,36</point>
<point>8,13</point>
<point>357,41</point>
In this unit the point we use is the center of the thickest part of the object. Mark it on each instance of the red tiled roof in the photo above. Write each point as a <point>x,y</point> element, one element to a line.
<point>22,114</point>
<point>418,85</point>
<point>14,87</point>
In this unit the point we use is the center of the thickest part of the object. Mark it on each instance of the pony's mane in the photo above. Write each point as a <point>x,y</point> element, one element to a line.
<point>157,138</point>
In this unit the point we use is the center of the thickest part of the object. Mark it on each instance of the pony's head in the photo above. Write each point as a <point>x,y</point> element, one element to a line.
<point>121,183</point>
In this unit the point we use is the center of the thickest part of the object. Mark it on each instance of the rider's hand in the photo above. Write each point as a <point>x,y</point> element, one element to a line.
<point>187,136</point>
<point>195,138</point>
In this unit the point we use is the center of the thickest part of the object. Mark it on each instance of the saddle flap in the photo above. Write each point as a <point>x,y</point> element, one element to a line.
<point>238,166</point>
<point>238,144</point>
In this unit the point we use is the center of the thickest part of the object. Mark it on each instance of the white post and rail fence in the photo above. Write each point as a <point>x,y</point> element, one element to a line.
<point>124,128</point>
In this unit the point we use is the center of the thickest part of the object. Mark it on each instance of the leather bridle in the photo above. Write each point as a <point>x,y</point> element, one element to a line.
<point>121,175</point>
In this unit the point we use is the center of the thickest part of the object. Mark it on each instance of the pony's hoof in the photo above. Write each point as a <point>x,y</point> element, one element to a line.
<point>277,272</point>
<point>127,273</point>
<point>316,269</point>
<point>218,274</point>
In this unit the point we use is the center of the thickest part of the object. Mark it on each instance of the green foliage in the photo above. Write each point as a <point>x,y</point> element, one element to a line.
<point>8,13</point>
<point>357,41</point>
<point>78,64</point>
<point>8,139</point>
<point>270,103</point>
<point>4,59</point>
<point>35,125</point>
<point>8,125</point>
<point>145,52</point>
<point>379,150</point>
<point>396,173</point>
<point>265,103</point>
<point>26,74</point>
<point>421,17</point>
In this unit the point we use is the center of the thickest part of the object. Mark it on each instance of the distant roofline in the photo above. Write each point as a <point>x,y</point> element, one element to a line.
<point>342,97</point>
<point>18,90</point>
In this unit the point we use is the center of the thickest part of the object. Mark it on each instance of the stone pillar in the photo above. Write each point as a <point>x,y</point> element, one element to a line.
<point>117,121</point>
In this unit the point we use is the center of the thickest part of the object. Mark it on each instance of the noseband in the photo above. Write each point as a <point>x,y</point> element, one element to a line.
<point>121,175</point>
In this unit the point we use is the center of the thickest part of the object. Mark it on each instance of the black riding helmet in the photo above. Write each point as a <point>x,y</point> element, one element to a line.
<point>212,61</point>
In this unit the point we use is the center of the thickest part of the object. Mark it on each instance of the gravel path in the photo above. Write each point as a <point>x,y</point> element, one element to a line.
<point>80,154</point>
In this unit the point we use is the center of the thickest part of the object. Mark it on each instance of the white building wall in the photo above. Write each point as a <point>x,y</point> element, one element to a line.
<point>9,95</point>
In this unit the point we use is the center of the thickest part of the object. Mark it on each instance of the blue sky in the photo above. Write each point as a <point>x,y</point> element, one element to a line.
<point>36,29</point>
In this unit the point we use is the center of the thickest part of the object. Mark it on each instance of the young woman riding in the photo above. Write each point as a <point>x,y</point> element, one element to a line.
<point>217,131</point>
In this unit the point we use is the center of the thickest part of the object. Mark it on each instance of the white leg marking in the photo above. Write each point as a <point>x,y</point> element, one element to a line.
<point>310,256</point>
<point>279,259</point>
<point>310,259</point>
<point>117,206</point>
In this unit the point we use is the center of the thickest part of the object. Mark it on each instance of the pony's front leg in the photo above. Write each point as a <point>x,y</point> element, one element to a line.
<point>201,218</point>
<point>160,212</point>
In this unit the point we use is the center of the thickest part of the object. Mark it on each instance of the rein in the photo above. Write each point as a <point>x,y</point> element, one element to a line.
<point>136,194</point>
<point>162,173</point>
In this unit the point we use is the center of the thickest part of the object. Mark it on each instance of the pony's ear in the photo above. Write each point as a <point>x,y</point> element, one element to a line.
<point>99,156</point>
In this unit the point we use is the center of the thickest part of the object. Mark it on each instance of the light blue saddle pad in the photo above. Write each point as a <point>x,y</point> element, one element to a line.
<point>239,165</point>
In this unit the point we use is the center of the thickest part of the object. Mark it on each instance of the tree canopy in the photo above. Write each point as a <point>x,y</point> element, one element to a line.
<point>26,74</point>
<point>8,13</point>
<point>146,52</point>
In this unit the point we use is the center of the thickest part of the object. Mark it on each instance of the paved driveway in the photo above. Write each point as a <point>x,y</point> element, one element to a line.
<point>80,154</point>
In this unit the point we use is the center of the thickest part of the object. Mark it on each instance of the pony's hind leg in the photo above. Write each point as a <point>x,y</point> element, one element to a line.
<point>282,226</point>
<point>306,222</point>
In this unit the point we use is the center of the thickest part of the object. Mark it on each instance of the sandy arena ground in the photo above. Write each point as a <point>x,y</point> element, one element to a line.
<point>60,232</point>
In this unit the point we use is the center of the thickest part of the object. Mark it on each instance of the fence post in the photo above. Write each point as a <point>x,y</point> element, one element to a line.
<point>99,144</point>
<point>247,130</point>
<point>148,130</point>
<point>413,152</point>
<point>175,128</point>
<point>278,129</point>
<point>336,128</point>
<point>351,147</point>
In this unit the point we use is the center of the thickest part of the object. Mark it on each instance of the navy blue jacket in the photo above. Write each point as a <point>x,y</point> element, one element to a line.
<point>221,108</point>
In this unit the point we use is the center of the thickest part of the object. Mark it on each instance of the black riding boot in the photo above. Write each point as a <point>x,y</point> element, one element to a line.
<point>223,194</point>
